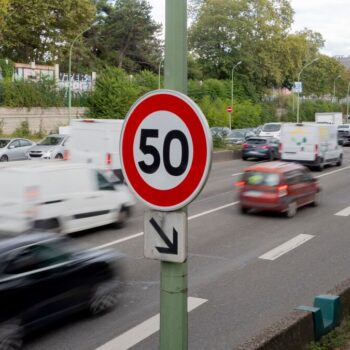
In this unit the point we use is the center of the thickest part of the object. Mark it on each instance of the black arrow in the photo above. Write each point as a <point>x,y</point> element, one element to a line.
<point>171,246</point>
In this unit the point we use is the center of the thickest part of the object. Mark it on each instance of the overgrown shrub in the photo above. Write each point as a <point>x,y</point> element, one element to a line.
<point>114,94</point>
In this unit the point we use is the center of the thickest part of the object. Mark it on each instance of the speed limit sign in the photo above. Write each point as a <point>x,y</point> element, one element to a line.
<point>166,149</point>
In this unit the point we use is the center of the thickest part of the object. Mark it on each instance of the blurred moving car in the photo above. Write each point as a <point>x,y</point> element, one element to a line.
<point>260,148</point>
<point>96,141</point>
<point>311,144</point>
<point>14,149</point>
<point>220,131</point>
<point>271,129</point>
<point>277,187</point>
<point>44,278</point>
<point>60,196</point>
<point>238,136</point>
<point>51,147</point>
<point>344,134</point>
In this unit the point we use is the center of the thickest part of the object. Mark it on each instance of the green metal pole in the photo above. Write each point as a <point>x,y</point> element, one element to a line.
<point>173,293</point>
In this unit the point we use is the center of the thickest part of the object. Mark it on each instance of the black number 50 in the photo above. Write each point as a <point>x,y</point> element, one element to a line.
<point>149,149</point>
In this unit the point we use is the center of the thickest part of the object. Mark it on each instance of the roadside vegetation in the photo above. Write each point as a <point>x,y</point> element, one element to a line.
<point>121,42</point>
<point>338,339</point>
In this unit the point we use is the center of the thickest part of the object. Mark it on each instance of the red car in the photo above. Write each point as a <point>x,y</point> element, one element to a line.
<point>278,187</point>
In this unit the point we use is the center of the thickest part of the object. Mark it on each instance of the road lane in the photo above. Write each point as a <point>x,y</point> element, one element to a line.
<point>244,293</point>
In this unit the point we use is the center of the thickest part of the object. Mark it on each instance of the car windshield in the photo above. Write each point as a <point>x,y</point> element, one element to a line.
<point>252,141</point>
<point>4,143</point>
<point>260,178</point>
<point>51,141</point>
<point>236,134</point>
<point>343,126</point>
<point>271,127</point>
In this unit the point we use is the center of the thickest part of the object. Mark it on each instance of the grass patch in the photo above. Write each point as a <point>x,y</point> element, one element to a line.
<point>338,339</point>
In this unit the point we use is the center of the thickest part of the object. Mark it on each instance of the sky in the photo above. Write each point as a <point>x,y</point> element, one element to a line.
<point>328,17</point>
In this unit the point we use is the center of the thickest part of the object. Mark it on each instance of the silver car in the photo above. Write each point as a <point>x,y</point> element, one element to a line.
<point>51,147</point>
<point>14,149</point>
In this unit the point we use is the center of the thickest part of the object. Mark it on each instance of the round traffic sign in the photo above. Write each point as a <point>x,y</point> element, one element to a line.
<point>165,149</point>
<point>229,109</point>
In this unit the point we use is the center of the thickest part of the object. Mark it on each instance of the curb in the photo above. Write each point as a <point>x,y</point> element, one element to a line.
<point>222,156</point>
<point>296,331</point>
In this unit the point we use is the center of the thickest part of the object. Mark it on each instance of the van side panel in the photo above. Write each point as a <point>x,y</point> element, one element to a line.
<point>298,142</point>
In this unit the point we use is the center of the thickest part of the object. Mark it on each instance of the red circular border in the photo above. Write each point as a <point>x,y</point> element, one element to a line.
<point>179,194</point>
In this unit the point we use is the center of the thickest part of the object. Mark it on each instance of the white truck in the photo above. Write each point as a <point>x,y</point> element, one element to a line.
<point>329,118</point>
<point>96,141</point>
<point>311,144</point>
<point>60,196</point>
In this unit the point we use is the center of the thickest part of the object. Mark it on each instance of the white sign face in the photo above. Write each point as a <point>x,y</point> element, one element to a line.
<point>166,150</point>
<point>298,87</point>
<point>173,144</point>
<point>166,236</point>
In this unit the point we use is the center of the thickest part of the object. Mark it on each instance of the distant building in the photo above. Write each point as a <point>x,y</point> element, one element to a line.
<point>79,82</point>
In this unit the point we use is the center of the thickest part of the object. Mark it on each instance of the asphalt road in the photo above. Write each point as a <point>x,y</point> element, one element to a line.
<point>243,293</point>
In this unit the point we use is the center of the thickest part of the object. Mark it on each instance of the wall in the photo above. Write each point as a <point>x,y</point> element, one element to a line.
<point>46,119</point>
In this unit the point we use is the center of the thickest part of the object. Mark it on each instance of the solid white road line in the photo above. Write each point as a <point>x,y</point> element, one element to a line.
<point>286,247</point>
<point>128,238</point>
<point>344,212</point>
<point>333,172</point>
<point>144,330</point>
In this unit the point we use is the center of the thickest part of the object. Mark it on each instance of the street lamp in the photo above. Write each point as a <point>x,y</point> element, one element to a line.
<point>70,69</point>
<point>298,101</point>
<point>233,68</point>
<point>347,102</point>
<point>334,86</point>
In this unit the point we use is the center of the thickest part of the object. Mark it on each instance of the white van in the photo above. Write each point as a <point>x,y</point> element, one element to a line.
<point>60,196</point>
<point>311,144</point>
<point>271,129</point>
<point>96,141</point>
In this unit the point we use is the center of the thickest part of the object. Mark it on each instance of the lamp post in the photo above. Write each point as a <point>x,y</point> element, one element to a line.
<point>334,86</point>
<point>233,68</point>
<point>347,102</point>
<point>298,101</point>
<point>70,70</point>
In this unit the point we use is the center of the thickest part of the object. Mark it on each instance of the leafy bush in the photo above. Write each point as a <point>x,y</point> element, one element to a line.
<point>113,96</point>
<point>246,115</point>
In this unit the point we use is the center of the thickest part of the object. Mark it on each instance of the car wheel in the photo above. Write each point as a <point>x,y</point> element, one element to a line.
<point>317,199</point>
<point>10,336</point>
<point>104,297</point>
<point>4,158</point>
<point>320,166</point>
<point>59,156</point>
<point>243,210</point>
<point>123,215</point>
<point>48,225</point>
<point>271,156</point>
<point>244,158</point>
<point>291,209</point>
<point>340,160</point>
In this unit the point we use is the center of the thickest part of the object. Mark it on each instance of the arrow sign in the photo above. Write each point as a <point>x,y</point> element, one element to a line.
<point>166,235</point>
<point>171,246</point>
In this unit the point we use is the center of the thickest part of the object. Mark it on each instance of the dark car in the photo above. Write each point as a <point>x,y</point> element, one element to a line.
<point>45,277</point>
<point>344,134</point>
<point>260,148</point>
<point>277,187</point>
<point>238,136</point>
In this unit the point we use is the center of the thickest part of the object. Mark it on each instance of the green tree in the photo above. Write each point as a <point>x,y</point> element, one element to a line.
<point>113,95</point>
<point>128,37</point>
<point>42,30</point>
